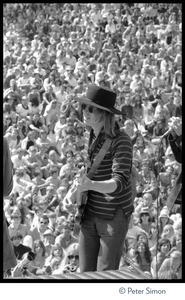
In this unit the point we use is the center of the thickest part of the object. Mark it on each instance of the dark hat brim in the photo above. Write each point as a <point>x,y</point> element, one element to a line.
<point>90,103</point>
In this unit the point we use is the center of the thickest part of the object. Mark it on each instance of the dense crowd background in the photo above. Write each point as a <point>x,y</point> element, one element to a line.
<point>52,52</point>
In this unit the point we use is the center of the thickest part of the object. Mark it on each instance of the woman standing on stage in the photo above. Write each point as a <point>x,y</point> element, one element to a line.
<point>110,203</point>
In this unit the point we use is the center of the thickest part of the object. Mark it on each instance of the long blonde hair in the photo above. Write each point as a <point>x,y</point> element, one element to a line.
<point>110,126</point>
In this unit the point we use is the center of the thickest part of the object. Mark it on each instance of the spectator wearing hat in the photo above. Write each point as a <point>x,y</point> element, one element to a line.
<point>164,219</point>
<point>145,219</point>
<point>49,241</point>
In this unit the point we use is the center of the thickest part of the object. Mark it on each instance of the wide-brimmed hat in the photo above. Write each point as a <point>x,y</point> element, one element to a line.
<point>48,232</point>
<point>164,212</point>
<point>100,97</point>
<point>145,210</point>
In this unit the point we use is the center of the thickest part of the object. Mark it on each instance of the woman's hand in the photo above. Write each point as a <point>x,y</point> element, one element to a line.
<point>84,184</point>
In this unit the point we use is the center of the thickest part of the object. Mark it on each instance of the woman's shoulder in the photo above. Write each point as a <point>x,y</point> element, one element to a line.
<point>123,138</point>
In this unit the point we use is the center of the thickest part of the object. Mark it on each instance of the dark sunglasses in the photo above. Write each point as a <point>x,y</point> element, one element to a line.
<point>73,256</point>
<point>90,108</point>
<point>43,222</point>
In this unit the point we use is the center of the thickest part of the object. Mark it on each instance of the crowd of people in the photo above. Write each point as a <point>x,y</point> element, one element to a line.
<point>52,52</point>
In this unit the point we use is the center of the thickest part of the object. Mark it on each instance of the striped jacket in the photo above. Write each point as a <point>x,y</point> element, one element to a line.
<point>116,164</point>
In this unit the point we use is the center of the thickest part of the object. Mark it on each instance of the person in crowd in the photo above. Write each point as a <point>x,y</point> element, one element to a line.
<point>37,231</point>
<point>164,247</point>
<point>171,267</point>
<point>142,258</point>
<point>70,263</point>
<point>19,248</point>
<point>66,238</point>
<point>40,256</point>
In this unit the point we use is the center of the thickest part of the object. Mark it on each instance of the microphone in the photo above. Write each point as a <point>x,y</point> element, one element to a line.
<point>166,133</point>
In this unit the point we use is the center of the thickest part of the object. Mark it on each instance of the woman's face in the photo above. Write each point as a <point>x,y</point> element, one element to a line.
<point>142,238</point>
<point>144,218</point>
<point>139,142</point>
<point>165,248</point>
<point>59,224</point>
<point>57,252</point>
<point>62,120</point>
<point>73,258</point>
<point>15,221</point>
<point>28,201</point>
<point>168,231</point>
<point>91,118</point>
<point>141,247</point>
<point>38,249</point>
<point>14,134</point>
<point>154,230</point>
<point>16,241</point>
